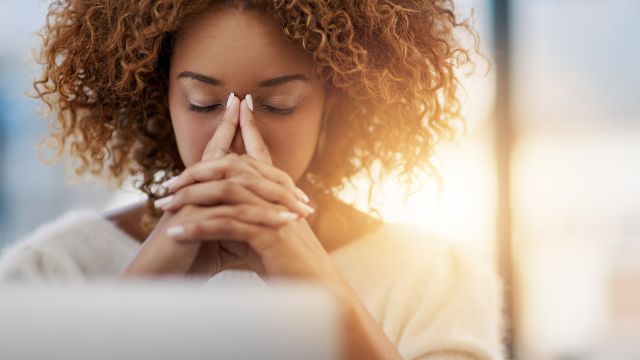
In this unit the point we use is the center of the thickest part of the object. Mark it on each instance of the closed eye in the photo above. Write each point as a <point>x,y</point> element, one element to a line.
<point>278,111</point>
<point>203,109</point>
<point>210,108</point>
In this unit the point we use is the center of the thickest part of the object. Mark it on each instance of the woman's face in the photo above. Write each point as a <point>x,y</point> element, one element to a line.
<point>228,51</point>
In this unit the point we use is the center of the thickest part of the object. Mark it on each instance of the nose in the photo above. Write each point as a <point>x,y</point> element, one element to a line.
<point>237,144</point>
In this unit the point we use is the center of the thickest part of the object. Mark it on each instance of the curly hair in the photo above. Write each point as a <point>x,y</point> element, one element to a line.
<point>105,75</point>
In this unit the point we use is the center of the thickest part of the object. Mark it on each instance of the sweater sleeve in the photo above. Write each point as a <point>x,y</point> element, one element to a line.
<point>449,307</point>
<point>76,246</point>
<point>26,263</point>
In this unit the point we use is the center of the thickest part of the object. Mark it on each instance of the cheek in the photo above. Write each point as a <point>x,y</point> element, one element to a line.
<point>292,143</point>
<point>192,135</point>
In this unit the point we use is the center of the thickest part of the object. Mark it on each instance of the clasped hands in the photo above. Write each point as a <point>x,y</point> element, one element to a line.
<point>230,209</point>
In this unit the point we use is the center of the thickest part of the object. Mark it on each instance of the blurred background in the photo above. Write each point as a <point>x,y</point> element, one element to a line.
<point>544,183</point>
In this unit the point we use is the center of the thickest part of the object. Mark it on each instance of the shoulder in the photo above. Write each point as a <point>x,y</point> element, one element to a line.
<point>399,248</point>
<point>77,244</point>
<point>437,257</point>
<point>435,295</point>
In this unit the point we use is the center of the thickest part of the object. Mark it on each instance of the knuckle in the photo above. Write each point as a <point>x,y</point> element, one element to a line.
<point>240,180</point>
<point>211,167</point>
<point>248,181</point>
<point>243,211</point>
<point>213,151</point>
<point>228,161</point>
<point>184,174</point>
<point>249,173</point>
<point>189,209</point>
<point>284,178</point>
<point>197,229</point>
<point>283,196</point>
<point>246,158</point>
<point>288,182</point>
<point>207,166</point>
<point>180,196</point>
<point>228,187</point>
<point>187,212</point>
<point>262,149</point>
<point>278,208</point>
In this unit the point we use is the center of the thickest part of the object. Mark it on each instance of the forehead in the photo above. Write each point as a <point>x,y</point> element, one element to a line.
<point>238,47</point>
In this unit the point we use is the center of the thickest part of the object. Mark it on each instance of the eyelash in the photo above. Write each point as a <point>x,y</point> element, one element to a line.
<point>206,109</point>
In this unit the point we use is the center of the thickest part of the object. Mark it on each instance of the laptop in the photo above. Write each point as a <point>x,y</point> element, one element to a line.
<point>168,319</point>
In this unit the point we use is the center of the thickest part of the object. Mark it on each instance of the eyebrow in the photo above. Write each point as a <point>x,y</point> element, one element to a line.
<point>264,83</point>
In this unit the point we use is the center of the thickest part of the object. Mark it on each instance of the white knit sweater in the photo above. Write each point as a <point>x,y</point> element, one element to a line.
<point>433,299</point>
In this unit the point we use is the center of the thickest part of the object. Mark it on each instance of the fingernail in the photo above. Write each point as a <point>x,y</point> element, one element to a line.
<point>307,209</point>
<point>302,195</point>
<point>287,215</point>
<point>162,202</point>
<point>230,99</point>
<point>249,102</point>
<point>175,230</point>
<point>170,182</point>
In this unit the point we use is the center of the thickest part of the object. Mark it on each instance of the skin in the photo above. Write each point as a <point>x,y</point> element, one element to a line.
<point>291,139</point>
<point>241,169</point>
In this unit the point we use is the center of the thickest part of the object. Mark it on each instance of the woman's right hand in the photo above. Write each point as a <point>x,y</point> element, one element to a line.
<point>161,254</point>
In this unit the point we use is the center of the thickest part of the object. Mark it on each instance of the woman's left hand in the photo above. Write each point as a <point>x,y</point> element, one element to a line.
<point>291,250</point>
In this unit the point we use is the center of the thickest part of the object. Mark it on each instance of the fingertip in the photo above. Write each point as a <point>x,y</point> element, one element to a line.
<point>168,184</point>
<point>249,100</point>
<point>243,104</point>
<point>177,232</point>
<point>301,195</point>
<point>244,112</point>
<point>287,215</point>
<point>231,99</point>
<point>232,110</point>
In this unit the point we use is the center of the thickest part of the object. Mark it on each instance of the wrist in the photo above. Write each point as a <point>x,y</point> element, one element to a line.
<point>363,336</point>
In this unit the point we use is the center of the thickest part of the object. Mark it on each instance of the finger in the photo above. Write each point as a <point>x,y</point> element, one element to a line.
<point>274,217</point>
<point>211,260</point>
<point>228,167</point>
<point>244,251</point>
<point>256,191</point>
<point>213,169</point>
<point>276,175</point>
<point>275,193</point>
<point>219,254</point>
<point>215,229</point>
<point>253,141</point>
<point>209,193</point>
<point>223,137</point>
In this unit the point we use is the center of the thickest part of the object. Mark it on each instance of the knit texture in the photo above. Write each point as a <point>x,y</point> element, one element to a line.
<point>434,299</point>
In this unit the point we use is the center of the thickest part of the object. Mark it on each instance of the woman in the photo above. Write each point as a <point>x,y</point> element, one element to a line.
<point>242,120</point>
